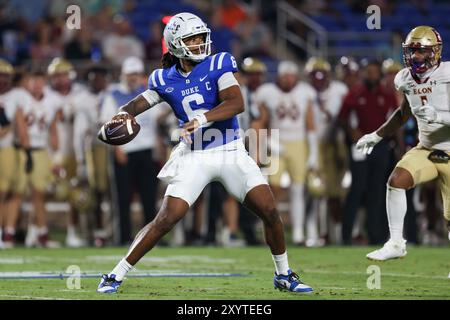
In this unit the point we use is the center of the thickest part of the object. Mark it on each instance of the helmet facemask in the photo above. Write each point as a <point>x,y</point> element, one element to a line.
<point>203,49</point>
<point>422,50</point>
<point>431,57</point>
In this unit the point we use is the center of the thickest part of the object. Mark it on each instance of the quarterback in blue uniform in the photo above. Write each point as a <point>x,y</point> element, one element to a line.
<point>205,97</point>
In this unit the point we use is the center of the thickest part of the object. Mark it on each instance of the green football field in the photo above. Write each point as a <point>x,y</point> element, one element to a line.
<point>203,273</point>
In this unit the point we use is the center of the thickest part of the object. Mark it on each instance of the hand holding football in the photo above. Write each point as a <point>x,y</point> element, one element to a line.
<point>120,130</point>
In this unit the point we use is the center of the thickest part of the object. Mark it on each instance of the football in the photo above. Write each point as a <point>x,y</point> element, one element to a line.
<point>119,131</point>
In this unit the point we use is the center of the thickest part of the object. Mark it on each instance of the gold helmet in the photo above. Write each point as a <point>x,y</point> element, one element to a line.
<point>6,67</point>
<point>426,40</point>
<point>318,70</point>
<point>253,65</point>
<point>391,66</point>
<point>317,64</point>
<point>60,65</point>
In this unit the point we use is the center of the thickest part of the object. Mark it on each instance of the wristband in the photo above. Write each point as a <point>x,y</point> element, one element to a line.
<point>201,118</point>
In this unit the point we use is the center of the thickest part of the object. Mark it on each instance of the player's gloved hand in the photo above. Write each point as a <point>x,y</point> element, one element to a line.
<point>28,161</point>
<point>366,143</point>
<point>428,114</point>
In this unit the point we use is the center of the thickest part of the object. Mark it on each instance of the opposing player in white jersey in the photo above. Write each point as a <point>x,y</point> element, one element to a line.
<point>7,152</point>
<point>287,106</point>
<point>61,75</point>
<point>205,96</point>
<point>425,84</point>
<point>36,126</point>
<point>325,185</point>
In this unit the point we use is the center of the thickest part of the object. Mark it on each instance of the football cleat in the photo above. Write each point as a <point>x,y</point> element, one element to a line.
<point>290,282</point>
<point>392,249</point>
<point>108,284</point>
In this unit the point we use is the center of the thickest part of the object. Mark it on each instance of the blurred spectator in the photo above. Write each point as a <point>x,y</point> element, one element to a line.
<point>82,45</point>
<point>347,71</point>
<point>232,13</point>
<point>121,43</point>
<point>46,44</point>
<point>255,36</point>
<point>153,45</point>
<point>223,38</point>
<point>133,162</point>
<point>101,24</point>
<point>31,11</point>
<point>366,107</point>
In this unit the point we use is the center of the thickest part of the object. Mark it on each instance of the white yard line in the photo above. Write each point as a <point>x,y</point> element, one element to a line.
<point>30,297</point>
<point>389,274</point>
<point>173,259</point>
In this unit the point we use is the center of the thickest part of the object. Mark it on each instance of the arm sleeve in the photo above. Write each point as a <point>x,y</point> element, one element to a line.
<point>227,80</point>
<point>152,97</point>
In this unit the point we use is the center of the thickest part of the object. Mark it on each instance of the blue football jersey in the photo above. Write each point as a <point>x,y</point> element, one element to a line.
<point>198,93</point>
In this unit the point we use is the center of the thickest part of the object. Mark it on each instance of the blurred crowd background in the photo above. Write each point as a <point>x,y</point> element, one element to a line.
<point>97,195</point>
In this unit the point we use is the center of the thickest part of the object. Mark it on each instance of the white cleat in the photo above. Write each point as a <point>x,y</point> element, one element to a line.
<point>392,249</point>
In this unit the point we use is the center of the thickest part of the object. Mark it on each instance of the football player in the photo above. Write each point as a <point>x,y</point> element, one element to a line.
<point>35,121</point>
<point>62,75</point>
<point>7,152</point>
<point>205,96</point>
<point>424,83</point>
<point>288,107</point>
<point>91,154</point>
<point>332,151</point>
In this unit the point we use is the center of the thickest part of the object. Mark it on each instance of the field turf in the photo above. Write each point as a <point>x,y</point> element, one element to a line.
<point>334,273</point>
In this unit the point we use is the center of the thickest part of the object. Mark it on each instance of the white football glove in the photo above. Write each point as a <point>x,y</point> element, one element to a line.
<point>366,143</point>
